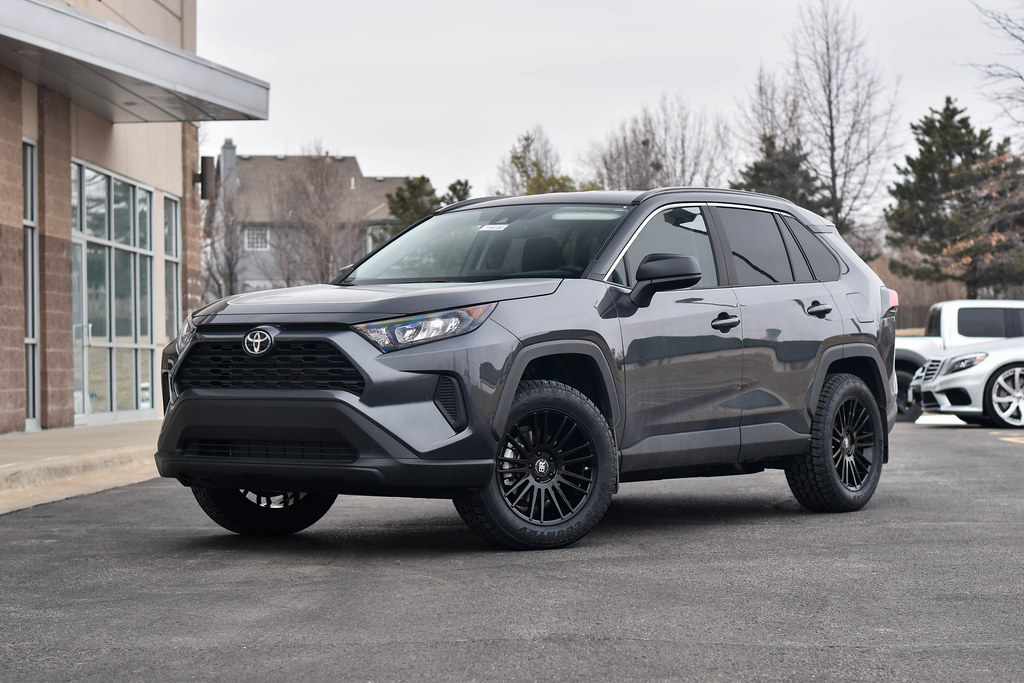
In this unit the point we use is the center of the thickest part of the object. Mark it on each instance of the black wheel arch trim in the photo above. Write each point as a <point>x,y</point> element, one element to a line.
<point>557,348</point>
<point>855,350</point>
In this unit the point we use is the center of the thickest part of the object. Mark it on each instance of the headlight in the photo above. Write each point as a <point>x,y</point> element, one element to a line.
<point>964,362</point>
<point>185,335</point>
<point>401,333</point>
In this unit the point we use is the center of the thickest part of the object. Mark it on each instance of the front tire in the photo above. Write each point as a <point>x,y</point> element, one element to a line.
<point>555,472</point>
<point>1004,397</point>
<point>263,513</point>
<point>840,470</point>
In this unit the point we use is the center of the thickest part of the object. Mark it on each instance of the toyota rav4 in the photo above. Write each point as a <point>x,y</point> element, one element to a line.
<point>524,356</point>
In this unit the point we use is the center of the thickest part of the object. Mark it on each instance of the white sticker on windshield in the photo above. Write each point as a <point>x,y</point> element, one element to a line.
<point>494,227</point>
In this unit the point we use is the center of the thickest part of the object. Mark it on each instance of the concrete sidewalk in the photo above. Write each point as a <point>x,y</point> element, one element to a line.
<point>53,464</point>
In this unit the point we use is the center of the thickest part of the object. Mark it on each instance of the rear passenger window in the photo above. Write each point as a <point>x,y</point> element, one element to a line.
<point>981,322</point>
<point>823,263</point>
<point>758,253</point>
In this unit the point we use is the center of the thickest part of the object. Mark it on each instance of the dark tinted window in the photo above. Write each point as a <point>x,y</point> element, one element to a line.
<point>758,253</point>
<point>823,263</point>
<point>801,271</point>
<point>981,322</point>
<point>678,230</point>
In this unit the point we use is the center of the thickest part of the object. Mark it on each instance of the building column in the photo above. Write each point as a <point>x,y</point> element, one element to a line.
<point>12,245</point>
<point>191,228</point>
<point>56,335</point>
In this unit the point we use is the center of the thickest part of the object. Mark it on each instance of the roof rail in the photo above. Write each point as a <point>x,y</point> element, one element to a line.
<point>666,190</point>
<point>464,203</point>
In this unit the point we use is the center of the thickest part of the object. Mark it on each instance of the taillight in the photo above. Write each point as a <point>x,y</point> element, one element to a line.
<point>890,302</point>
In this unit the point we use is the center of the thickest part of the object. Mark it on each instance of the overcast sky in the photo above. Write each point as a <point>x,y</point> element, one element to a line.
<point>443,88</point>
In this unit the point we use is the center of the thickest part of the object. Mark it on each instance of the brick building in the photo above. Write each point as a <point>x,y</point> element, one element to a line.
<point>99,210</point>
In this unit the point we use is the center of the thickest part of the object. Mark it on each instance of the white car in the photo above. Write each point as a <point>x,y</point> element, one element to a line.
<point>980,383</point>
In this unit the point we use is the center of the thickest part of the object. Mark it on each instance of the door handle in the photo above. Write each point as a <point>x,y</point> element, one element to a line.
<point>819,309</point>
<point>725,322</point>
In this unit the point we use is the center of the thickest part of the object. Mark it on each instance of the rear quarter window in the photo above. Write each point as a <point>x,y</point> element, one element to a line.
<point>823,263</point>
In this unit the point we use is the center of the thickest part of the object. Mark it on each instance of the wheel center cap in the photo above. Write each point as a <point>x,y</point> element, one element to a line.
<point>542,467</point>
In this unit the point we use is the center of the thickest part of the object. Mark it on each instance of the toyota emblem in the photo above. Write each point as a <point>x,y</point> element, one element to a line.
<point>257,342</point>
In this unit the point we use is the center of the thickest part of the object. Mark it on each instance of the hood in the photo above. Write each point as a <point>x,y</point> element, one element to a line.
<point>363,303</point>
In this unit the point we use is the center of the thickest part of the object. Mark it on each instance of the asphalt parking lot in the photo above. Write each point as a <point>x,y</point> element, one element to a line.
<point>703,579</point>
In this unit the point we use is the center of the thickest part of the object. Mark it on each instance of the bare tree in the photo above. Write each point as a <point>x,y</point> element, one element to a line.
<point>668,145</point>
<point>846,117</point>
<point>771,112</point>
<point>1007,80</point>
<point>319,221</point>
<point>223,241</point>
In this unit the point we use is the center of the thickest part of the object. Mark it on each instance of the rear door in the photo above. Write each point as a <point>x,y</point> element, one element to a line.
<point>789,318</point>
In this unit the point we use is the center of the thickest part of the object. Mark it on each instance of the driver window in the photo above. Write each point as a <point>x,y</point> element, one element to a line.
<point>677,230</point>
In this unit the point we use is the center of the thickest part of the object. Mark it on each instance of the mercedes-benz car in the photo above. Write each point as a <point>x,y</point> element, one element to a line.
<point>524,356</point>
<point>979,383</point>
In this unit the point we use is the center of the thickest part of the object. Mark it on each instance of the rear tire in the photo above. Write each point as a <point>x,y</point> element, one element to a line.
<point>556,470</point>
<point>263,513</point>
<point>840,470</point>
<point>906,410</point>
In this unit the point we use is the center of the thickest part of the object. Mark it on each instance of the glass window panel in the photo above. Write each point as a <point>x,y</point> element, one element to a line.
<point>123,210</point>
<point>678,230</point>
<point>76,197</point>
<point>823,263</point>
<point>145,299</point>
<point>28,163</point>
<point>145,223</point>
<point>981,322</point>
<point>171,299</point>
<point>145,379</point>
<point>124,379</point>
<point>97,291</point>
<point>96,190</point>
<point>124,308</point>
<point>30,381</point>
<point>170,227</point>
<point>30,282</point>
<point>758,253</point>
<point>78,324</point>
<point>99,380</point>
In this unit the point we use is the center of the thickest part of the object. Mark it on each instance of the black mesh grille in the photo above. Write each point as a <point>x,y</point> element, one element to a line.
<point>292,364</point>
<point>271,450</point>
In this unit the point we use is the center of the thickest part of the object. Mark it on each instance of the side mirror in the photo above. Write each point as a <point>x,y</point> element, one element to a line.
<point>661,273</point>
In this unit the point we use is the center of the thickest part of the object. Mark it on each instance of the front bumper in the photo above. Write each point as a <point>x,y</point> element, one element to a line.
<point>959,393</point>
<point>393,438</point>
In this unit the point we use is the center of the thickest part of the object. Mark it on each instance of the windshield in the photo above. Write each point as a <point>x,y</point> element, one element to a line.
<point>540,240</point>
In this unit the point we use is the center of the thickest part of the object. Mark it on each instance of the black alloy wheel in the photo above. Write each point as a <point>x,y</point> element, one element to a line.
<point>263,513</point>
<point>547,469</point>
<point>906,409</point>
<point>555,471</point>
<point>853,443</point>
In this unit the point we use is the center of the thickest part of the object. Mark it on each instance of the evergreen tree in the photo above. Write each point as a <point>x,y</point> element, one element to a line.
<point>957,210</point>
<point>412,201</point>
<point>783,171</point>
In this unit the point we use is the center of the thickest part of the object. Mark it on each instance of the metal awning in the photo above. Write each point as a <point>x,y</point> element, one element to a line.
<point>120,74</point>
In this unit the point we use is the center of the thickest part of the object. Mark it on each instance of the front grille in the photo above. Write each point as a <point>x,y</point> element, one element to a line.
<point>291,364</point>
<point>335,451</point>
<point>928,401</point>
<point>932,369</point>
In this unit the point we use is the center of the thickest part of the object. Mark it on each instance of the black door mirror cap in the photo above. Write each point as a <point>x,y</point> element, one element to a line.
<point>664,272</point>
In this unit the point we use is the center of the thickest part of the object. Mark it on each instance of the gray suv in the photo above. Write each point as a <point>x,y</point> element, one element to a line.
<point>524,356</point>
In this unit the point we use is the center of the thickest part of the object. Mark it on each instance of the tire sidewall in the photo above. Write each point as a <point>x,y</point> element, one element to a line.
<point>231,509</point>
<point>554,396</point>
